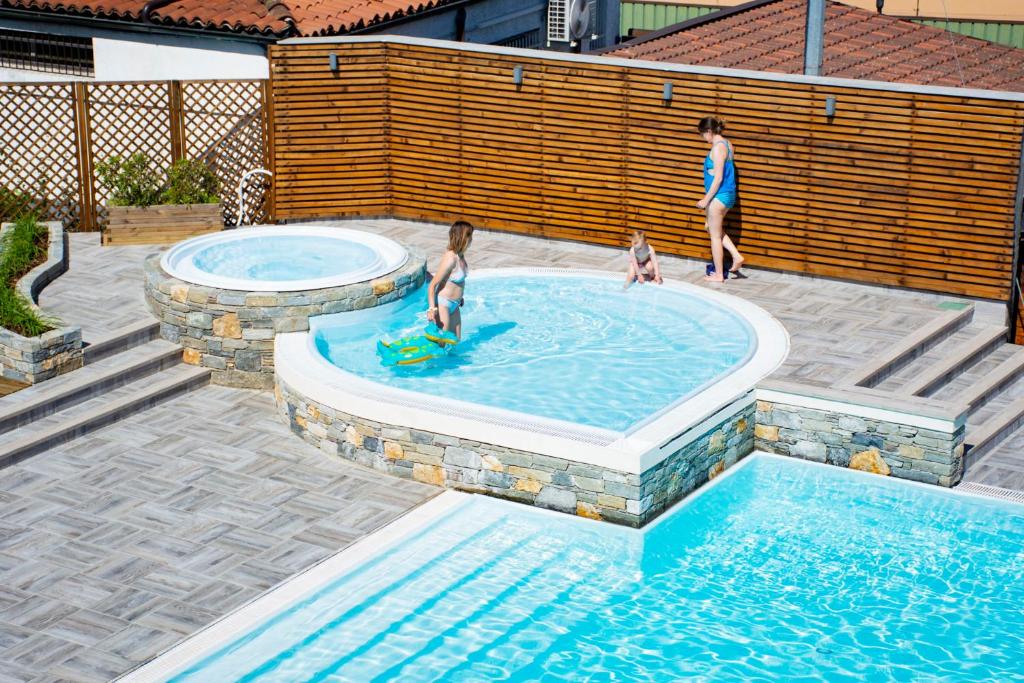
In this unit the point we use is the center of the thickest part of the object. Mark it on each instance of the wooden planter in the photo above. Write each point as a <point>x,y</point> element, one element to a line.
<point>163,224</point>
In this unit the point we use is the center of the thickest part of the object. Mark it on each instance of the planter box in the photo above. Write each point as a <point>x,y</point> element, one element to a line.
<point>29,360</point>
<point>163,224</point>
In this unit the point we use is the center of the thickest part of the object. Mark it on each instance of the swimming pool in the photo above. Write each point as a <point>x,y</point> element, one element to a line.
<point>556,352</point>
<point>283,259</point>
<point>575,349</point>
<point>780,570</point>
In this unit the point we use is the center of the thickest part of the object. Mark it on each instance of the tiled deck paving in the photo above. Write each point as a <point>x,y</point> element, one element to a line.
<point>117,545</point>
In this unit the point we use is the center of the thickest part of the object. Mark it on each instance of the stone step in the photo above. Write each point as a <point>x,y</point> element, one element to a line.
<point>991,383</point>
<point>982,439</point>
<point>121,340</point>
<point>65,391</point>
<point>955,362</point>
<point>909,348</point>
<point>102,410</point>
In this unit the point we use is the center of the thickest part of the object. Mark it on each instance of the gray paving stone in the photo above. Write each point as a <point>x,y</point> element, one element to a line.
<point>91,666</point>
<point>86,627</point>
<point>138,643</point>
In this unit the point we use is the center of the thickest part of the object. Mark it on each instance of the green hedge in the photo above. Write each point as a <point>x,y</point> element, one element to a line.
<point>23,248</point>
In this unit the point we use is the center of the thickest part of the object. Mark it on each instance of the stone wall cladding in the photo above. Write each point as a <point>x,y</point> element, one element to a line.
<point>232,332</point>
<point>35,359</point>
<point>836,438</point>
<point>549,482</point>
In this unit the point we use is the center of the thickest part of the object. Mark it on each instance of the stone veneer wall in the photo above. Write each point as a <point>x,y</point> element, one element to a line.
<point>232,332</point>
<point>873,445</point>
<point>34,359</point>
<point>549,482</point>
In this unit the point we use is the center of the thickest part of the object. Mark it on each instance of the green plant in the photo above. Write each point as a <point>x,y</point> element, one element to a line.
<point>190,181</point>
<point>131,182</point>
<point>13,203</point>
<point>22,248</point>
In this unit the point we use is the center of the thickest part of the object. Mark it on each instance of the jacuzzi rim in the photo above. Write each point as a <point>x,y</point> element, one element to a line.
<point>299,364</point>
<point>391,256</point>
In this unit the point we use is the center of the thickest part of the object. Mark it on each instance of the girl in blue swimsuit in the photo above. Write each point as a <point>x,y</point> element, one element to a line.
<point>719,194</point>
<point>444,293</point>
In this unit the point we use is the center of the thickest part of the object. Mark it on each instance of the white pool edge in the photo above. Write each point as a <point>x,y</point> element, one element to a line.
<point>178,260</point>
<point>299,365</point>
<point>225,630</point>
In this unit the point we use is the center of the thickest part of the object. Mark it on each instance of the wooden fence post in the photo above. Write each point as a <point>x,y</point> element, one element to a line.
<point>177,120</point>
<point>87,218</point>
<point>268,132</point>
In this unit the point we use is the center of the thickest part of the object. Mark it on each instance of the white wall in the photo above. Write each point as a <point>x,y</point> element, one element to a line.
<point>139,56</point>
<point>130,59</point>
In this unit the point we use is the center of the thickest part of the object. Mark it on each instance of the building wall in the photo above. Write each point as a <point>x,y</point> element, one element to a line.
<point>140,56</point>
<point>495,21</point>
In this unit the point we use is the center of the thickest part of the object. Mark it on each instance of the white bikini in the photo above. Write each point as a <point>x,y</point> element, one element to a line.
<point>457,276</point>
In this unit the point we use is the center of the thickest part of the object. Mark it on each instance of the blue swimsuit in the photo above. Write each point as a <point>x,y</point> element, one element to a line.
<point>727,190</point>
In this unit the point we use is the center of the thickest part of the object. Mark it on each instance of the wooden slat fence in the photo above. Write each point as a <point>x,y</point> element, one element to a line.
<point>54,134</point>
<point>898,188</point>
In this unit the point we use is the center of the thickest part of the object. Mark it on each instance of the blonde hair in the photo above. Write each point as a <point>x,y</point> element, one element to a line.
<point>459,235</point>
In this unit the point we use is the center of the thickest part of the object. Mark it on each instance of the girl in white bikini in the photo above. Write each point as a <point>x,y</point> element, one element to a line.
<point>445,291</point>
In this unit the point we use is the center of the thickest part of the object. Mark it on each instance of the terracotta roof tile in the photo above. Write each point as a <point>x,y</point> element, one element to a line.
<point>309,17</point>
<point>329,17</point>
<point>768,35</point>
<point>239,16</point>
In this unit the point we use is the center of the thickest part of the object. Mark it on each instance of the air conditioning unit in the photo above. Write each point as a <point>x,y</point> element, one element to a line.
<point>558,21</point>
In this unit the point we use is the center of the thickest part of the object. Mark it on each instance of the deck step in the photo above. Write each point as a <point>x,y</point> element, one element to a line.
<point>121,339</point>
<point>909,348</point>
<point>82,385</point>
<point>989,433</point>
<point>979,345</point>
<point>60,428</point>
<point>1010,369</point>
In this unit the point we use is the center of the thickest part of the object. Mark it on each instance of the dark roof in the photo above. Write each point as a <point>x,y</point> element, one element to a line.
<point>267,17</point>
<point>768,35</point>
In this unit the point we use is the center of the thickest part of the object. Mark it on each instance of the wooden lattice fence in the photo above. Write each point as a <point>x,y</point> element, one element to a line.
<point>53,135</point>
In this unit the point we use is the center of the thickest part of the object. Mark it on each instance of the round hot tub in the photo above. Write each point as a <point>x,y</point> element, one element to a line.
<point>224,297</point>
<point>283,259</point>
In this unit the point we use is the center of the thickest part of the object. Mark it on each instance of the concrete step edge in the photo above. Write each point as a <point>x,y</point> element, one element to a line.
<point>74,391</point>
<point>908,348</point>
<point>986,436</point>
<point>966,355</point>
<point>183,381</point>
<point>978,393</point>
<point>121,339</point>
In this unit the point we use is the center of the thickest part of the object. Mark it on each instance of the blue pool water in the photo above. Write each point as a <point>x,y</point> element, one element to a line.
<point>284,257</point>
<point>576,349</point>
<point>783,571</point>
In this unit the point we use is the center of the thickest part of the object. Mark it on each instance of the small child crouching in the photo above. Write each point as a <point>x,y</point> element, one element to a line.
<point>643,262</point>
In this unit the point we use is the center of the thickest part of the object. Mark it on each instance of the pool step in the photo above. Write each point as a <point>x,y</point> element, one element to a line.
<point>131,375</point>
<point>910,347</point>
<point>955,362</point>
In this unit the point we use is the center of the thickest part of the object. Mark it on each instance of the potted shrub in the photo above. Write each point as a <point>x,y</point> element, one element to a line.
<point>144,210</point>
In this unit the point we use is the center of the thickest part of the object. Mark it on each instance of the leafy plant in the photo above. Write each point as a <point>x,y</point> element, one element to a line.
<point>131,182</point>
<point>190,181</point>
<point>22,248</point>
<point>13,203</point>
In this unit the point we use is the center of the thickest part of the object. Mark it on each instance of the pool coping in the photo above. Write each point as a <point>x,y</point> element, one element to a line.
<point>187,272</point>
<point>300,365</point>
